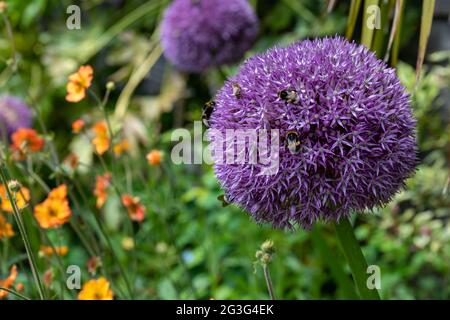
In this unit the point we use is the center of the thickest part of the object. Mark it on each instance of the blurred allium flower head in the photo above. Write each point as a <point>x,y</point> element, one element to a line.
<point>350,115</point>
<point>197,34</point>
<point>14,114</point>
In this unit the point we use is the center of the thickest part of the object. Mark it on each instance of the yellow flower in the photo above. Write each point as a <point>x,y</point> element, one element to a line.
<point>21,198</point>
<point>8,282</point>
<point>128,243</point>
<point>154,157</point>
<point>48,251</point>
<point>78,83</point>
<point>96,289</point>
<point>54,211</point>
<point>101,139</point>
<point>121,147</point>
<point>6,229</point>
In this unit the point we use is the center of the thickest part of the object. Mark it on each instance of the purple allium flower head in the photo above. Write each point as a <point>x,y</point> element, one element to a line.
<point>353,122</point>
<point>197,34</point>
<point>14,114</point>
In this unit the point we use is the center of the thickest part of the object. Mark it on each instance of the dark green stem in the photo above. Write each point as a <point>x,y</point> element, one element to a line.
<point>5,178</point>
<point>355,258</point>
<point>21,296</point>
<point>268,281</point>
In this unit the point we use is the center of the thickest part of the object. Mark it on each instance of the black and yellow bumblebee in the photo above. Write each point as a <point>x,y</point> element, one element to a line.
<point>236,89</point>
<point>290,96</point>
<point>222,198</point>
<point>208,108</point>
<point>293,141</point>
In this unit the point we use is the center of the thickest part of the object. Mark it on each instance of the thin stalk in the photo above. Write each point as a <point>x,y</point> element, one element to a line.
<point>10,33</point>
<point>101,105</point>
<point>21,296</point>
<point>23,233</point>
<point>108,242</point>
<point>47,189</point>
<point>268,281</point>
<point>12,63</point>
<point>355,258</point>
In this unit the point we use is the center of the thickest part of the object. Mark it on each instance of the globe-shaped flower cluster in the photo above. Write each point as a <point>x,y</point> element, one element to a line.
<point>198,34</point>
<point>14,114</point>
<point>346,132</point>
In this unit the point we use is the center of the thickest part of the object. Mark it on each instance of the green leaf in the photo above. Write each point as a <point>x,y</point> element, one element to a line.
<point>425,29</point>
<point>394,37</point>
<point>367,29</point>
<point>355,258</point>
<point>352,17</point>
<point>378,43</point>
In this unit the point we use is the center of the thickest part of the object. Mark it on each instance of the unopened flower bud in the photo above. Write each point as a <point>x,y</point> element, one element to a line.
<point>128,243</point>
<point>14,185</point>
<point>266,258</point>
<point>259,254</point>
<point>110,85</point>
<point>267,247</point>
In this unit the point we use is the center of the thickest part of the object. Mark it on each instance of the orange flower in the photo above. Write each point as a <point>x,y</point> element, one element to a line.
<point>54,211</point>
<point>93,264</point>
<point>6,229</point>
<point>8,282</point>
<point>48,277</point>
<point>154,157</point>
<point>77,126</point>
<point>101,139</point>
<point>78,83</point>
<point>21,198</point>
<point>135,209</point>
<point>121,147</point>
<point>48,251</point>
<point>26,140</point>
<point>101,185</point>
<point>19,287</point>
<point>71,161</point>
<point>96,289</point>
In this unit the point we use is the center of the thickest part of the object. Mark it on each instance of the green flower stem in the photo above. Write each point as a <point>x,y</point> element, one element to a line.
<point>5,178</point>
<point>268,281</point>
<point>355,258</point>
<point>21,296</point>
<point>333,262</point>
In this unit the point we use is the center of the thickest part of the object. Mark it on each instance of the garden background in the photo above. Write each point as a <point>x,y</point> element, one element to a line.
<point>188,245</point>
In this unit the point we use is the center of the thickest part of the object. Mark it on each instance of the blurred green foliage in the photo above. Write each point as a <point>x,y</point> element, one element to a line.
<point>189,246</point>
